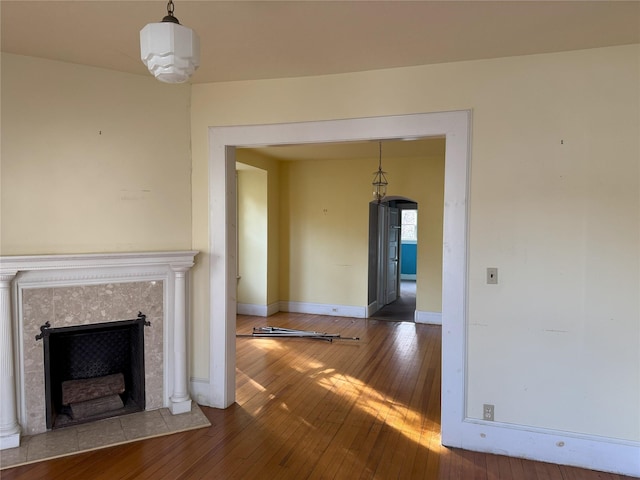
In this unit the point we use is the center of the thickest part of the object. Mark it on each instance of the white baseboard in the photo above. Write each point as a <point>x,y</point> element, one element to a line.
<point>433,318</point>
<point>257,310</point>
<point>273,308</point>
<point>372,308</point>
<point>199,389</point>
<point>408,276</point>
<point>324,309</point>
<point>304,307</point>
<point>564,448</point>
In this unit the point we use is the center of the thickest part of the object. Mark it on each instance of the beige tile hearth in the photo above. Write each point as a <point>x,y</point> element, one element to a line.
<point>145,424</point>
<point>52,444</point>
<point>105,432</point>
<point>101,434</point>
<point>181,422</point>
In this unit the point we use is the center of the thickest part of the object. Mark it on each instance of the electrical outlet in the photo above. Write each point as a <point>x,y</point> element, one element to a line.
<point>487,412</point>
<point>492,276</point>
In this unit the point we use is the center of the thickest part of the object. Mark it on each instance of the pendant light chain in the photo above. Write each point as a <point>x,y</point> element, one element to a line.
<point>170,17</point>
<point>379,180</point>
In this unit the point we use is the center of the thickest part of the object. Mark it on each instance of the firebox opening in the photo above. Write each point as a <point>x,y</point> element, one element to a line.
<point>94,371</point>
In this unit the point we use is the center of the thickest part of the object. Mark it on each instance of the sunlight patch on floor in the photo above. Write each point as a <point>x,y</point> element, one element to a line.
<point>251,381</point>
<point>396,415</point>
<point>268,345</point>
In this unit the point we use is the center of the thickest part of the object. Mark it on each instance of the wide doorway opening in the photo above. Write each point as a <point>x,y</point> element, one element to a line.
<point>454,126</point>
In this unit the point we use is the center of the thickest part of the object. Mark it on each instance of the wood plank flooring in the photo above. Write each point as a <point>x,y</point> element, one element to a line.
<point>311,409</point>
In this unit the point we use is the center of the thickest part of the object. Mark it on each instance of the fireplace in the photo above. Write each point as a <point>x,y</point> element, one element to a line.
<point>86,290</point>
<point>93,371</point>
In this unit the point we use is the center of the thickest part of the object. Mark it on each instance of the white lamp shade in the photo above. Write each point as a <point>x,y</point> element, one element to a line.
<point>170,51</point>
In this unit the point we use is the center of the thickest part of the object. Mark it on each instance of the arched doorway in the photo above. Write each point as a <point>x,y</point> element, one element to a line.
<point>388,300</point>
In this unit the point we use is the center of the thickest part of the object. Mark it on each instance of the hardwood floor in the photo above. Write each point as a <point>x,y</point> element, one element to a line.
<point>310,409</point>
<point>403,308</point>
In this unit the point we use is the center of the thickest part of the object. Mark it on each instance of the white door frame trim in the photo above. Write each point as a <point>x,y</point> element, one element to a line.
<point>455,126</point>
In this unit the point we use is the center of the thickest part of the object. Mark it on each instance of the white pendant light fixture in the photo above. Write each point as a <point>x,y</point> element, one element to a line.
<point>169,50</point>
<point>379,180</point>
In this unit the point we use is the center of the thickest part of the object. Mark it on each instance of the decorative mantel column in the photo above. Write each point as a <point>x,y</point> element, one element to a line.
<point>180,399</point>
<point>9,428</point>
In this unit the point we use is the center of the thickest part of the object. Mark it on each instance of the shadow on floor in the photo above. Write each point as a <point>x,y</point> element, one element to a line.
<point>403,309</point>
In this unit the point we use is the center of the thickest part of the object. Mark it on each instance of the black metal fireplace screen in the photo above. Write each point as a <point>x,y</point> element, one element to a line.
<point>93,371</point>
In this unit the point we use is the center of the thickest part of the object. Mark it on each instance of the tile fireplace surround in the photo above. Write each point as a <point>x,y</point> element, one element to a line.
<point>68,290</point>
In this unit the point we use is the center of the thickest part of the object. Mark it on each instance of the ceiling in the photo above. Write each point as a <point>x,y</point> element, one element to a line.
<point>248,40</point>
<point>391,148</point>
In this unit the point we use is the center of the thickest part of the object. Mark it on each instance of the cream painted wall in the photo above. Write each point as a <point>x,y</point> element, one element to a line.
<point>324,214</point>
<point>272,168</point>
<point>252,236</point>
<point>273,259</point>
<point>325,227</point>
<point>555,205</point>
<point>312,244</point>
<point>423,180</point>
<point>92,160</point>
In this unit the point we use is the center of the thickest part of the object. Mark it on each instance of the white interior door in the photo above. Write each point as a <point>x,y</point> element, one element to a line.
<point>393,255</point>
<point>383,244</point>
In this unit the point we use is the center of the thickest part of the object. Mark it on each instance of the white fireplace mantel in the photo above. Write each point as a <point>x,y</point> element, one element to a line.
<point>94,260</point>
<point>40,271</point>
